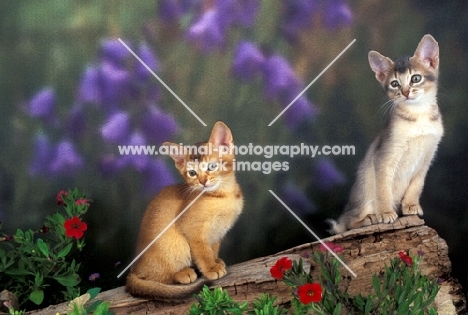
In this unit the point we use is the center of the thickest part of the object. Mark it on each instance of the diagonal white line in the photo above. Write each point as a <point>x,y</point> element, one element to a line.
<point>162,82</point>
<point>162,232</point>
<point>312,232</point>
<point>313,81</point>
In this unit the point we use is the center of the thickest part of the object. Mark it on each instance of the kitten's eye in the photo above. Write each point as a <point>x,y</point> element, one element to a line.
<point>213,166</point>
<point>394,84</point>
<point>192,173</point>
<point>416,78</point>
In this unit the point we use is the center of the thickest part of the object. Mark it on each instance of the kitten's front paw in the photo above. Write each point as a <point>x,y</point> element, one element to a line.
<point>389,217</point>
<point>216,272</point>
<point>412,209</point>
<point>386,217</point>
<point>186,276</point>
<point>220,262</point>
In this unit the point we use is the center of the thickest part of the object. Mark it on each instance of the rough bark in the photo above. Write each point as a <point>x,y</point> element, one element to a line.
<point>365,251</point>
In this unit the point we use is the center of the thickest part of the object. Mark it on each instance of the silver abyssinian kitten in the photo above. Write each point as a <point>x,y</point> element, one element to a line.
<point>391,176</point>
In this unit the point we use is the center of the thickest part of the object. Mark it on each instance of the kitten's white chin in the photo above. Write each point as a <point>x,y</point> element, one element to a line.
<point>212,187</point>
<point>410,100</point>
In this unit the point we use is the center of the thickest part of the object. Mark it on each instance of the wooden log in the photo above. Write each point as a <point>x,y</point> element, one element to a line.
<point>365,251</point>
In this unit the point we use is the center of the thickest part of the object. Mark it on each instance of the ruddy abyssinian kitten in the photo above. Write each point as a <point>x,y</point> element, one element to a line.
<point>192,243</point>
<point>391,177</point>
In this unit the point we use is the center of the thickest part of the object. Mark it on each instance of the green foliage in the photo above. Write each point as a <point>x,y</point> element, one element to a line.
<point>399,290</point>
<point>33,261</point>
<point>216,302</point>
<point>264,306</point>
<point>96,308</point>
<point>13,312</point>
<point>296,276</point>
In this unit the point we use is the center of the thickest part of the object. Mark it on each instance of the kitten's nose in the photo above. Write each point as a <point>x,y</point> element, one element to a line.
<point>405,93</point>
<point>203,181</point>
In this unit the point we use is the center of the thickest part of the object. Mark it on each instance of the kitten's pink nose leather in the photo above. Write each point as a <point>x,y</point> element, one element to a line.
<point>405,93</point>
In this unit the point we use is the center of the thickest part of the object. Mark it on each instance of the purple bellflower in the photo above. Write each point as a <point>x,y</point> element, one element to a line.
<point>66,160</point>
<point>90,86</point>
<point>237,12</point>
<point>157,176</point>
<point>42,154</point>
<point>42,105</point>
<point>328,175</point>
<point>299,111</point>
<point>117,128</point>
<point>296,199</point>
<point>158,126</point>
<point>147,56</point>
<point>114,52</point>
<point>298,16</point>
<point>337,14</point>
<point>248,61</point>
<point>207,32</point>
<point>279,77</point>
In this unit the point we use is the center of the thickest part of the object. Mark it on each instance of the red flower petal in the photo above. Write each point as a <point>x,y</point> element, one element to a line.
<point>310,292</point>
<point>82,201</point>
<point>59,197</point>
<point>406,259</point>
<point>335,248</point>
<point>276,273</point>
<point>74,227</point>
<point>283,264</point>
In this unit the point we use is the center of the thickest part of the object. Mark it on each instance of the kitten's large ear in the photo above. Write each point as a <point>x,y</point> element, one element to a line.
<point>221,135</point>
<point>381,65</point>
<point>176,152</point>
<point>428,52</point>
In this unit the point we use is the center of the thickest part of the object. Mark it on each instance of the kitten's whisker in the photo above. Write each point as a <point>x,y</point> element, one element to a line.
<point>188,191</point>
<point>386,107</point>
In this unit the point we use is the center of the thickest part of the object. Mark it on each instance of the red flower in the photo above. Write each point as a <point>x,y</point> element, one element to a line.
<point>75,228</point>
<point>406,259</point>
<point>335,248</point>
<point>81,202</point>
<point>283,264</point>
<point>59,197</point>
<point>310,292</point>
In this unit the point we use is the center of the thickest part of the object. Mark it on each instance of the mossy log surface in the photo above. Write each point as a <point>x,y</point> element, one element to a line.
<point>365,251</point>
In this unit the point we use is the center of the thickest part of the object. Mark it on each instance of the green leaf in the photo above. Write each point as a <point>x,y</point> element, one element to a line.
<point>376,284</point>
<point>69,280</point>
<point>368,307</point>
<point>38,279</point>
<point>417,301</point>
<point>337,310</point>
<point>64,252</point>
<point>18,272</point>
<point>403,309</point>
<point>37,296</point>
<point>43,247</point>
<point>93,292</point>
<point>93,307</point>
<point>77,309</point>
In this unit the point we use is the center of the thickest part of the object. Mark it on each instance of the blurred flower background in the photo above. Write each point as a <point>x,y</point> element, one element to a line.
<point>71,93</point>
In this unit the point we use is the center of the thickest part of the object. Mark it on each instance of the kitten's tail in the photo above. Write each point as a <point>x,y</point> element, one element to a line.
<point>336,227</point>
<point>161,291</point>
